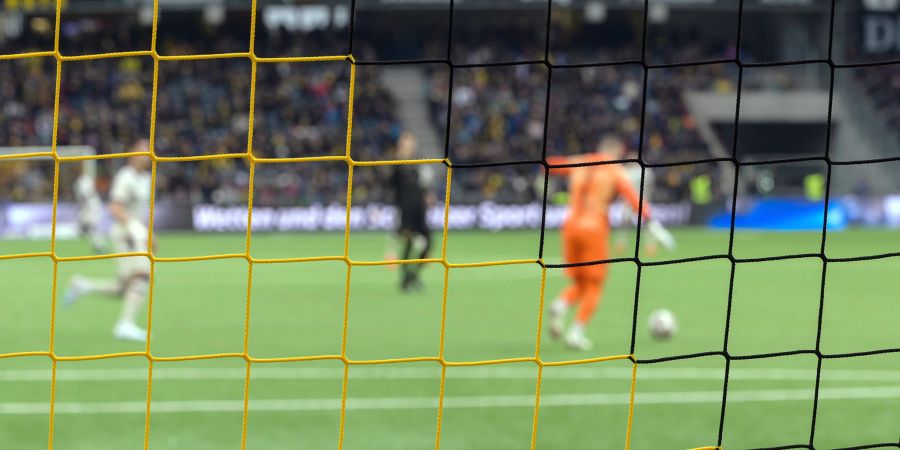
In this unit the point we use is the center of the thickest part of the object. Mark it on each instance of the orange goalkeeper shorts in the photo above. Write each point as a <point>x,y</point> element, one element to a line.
<point>583,245</point>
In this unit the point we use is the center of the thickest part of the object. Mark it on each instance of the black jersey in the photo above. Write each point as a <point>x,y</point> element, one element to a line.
<point>409,196</point>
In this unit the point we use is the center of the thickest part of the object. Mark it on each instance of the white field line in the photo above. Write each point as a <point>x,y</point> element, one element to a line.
<point>262,372</point>
<point>491,401</point>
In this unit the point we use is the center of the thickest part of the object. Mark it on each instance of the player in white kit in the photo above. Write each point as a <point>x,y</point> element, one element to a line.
<point>90,208</point>
<point>129,205</point>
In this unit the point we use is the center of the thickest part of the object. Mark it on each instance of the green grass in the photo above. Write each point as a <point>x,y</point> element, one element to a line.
<point>297,309</point>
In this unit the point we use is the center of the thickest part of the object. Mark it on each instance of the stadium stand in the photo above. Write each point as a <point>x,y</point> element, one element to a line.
<point>202,109</point>
<point>497,112</point>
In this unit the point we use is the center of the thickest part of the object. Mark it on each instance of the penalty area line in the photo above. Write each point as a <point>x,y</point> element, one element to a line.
<point>462,402</point>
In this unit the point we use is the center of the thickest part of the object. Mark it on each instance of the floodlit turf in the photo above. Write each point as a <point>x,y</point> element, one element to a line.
<point>297,309</point>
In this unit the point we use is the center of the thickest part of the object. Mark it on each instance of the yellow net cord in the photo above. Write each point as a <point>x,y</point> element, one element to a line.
<point>253,162</point>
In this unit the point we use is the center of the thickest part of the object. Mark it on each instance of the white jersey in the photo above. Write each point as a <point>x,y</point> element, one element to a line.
<point>131,189</point>
<point>89,203</point>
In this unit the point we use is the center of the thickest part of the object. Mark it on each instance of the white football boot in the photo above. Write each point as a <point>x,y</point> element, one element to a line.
<point>129,332</point>
<point>576,339</point>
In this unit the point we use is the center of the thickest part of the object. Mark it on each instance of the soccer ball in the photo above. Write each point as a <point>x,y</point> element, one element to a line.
<point>662,324</point>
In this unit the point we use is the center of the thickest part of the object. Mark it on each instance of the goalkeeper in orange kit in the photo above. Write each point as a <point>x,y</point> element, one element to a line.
<point>586,230</point>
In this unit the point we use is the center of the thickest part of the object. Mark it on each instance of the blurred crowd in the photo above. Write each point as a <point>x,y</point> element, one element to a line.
<point>882,84</point>
<point>203,108</point>
<point>497,114</point>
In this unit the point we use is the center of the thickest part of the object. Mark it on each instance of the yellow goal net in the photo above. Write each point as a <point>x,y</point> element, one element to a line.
<point>254,161</point>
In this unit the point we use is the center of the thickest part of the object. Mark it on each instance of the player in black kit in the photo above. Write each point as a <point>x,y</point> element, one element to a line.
<point>412,198</point>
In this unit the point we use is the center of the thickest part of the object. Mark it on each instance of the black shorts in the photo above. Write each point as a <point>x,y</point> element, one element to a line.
<point>413,221</point>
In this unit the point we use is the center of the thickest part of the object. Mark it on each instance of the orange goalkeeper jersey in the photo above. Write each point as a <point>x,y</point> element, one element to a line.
<point>593,188</point>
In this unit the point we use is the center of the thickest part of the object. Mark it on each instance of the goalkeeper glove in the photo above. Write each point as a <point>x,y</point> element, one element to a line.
<point>661,234</point>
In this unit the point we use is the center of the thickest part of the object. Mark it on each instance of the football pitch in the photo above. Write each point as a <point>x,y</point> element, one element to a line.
<point>297,309</point>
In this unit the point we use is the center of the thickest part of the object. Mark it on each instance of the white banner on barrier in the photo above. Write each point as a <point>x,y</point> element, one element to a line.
<point>33,220</point>
<point>484,216</point>
<point>892,211</point>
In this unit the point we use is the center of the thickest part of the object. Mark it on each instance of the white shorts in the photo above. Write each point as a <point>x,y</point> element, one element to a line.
<point>130,239</point>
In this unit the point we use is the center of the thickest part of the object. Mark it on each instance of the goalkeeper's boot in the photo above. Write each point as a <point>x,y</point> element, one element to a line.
<point>127,331</point>
<point>76,289</point>
<point>415,284</point>
<point>405,278</point>
<point>405,285</point>
<point>576,339</point>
